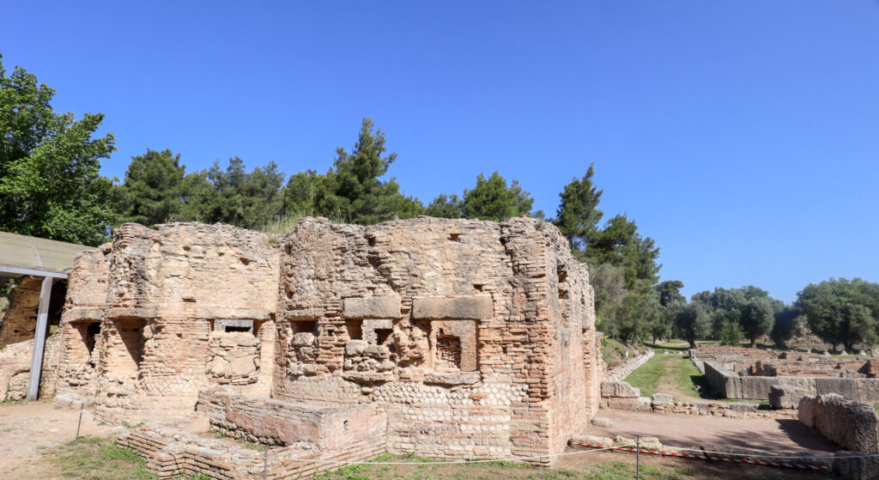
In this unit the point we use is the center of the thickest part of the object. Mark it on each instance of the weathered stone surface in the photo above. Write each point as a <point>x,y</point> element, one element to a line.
<point>476,338</point>
<point>851,425</point>
<point>782,396</point>
<point>371,307</point>
<point>461,308</point>
<point>619,390</point>
<point>663,398</point>
<point>854,466</point>
<point>602,422</point>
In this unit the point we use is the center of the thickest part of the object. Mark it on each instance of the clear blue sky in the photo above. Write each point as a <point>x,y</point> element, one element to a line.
<point>742,136</point>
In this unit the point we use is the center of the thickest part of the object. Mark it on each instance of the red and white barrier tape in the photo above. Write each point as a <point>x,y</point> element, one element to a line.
<point>706,457</point>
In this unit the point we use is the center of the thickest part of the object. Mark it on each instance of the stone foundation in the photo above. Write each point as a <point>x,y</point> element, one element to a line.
<point>852,425</point>
<point>173,452</point>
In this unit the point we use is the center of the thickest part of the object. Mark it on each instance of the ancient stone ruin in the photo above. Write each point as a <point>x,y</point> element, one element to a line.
<point>784,378</point>
<point>452,338</point>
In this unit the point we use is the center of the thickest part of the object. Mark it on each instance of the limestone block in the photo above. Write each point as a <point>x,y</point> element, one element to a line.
<point>782,396</point>
<point>466,378</point>
<point>371,307</point>
<point>847,387</point>
<point>355,347</point>
<point>458,308</point>
<point>594,440</point>
<point>602,422</point>
<point>868,390</point>
<point>663,398</point>
<point>303,339</point>
<point>854,466</point>
<point>619,390</point>
<point>631,404</point>
<point>852,425</point>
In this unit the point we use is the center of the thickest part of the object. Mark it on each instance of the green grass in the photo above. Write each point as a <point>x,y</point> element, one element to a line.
<point>98,458</point>
<point>675,369</point>
<point>587,469</point>
<point>679,372</point>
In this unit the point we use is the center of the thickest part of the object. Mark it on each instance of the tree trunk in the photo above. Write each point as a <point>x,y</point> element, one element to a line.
<point>753,343</point>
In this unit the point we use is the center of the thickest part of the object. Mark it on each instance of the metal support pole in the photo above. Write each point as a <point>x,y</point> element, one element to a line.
<point>638,457</point>
<point>265,463</point>
<point>33,384</point>
<point>79,424</point>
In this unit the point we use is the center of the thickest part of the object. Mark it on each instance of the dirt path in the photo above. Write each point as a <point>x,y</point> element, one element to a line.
<point>28,429</point>
<point>697,431</point>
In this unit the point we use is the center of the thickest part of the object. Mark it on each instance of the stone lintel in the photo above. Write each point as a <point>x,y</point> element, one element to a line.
<point>457,308</point>
<point>81,314</point>
<point>371,307</point>
<point>465,378</point>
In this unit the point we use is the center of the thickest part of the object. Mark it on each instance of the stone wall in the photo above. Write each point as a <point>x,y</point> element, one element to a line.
<point>21,319</point>
<point>15,367</point>
<point>476,338</point>
<point>172,453</point>
<point>492,327</point>
<point>326,426</point>
<point>622,371</point>
<point>731,385</point>
<point>849,424</point>
<point>151,318</point>
<point>82,322</point>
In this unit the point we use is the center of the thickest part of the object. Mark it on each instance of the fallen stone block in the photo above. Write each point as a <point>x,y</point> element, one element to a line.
<point>602,422</point>
<point>619,390</point>
<point>663,399</point>
<point>785,397</point>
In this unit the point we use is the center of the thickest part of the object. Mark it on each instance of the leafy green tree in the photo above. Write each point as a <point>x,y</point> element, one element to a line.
<point>693,323</point>
<point>492,199</point>
<point>634,316</point>
<point>669,292</point>
<point>303,191</point>
<point>620,244</point>
<point>787,322</point>
<point>609,284</point>
<point>662,324</point>
<point>153,189</point>
<point>578,215</point>
<point>446,206</point>
<point>756,319</point>
<point>841,311</point>
<point>234,196</point>
<point>352,190</point>
<point>50,185</point>
<point>750,307</point>
<point>731,334</point>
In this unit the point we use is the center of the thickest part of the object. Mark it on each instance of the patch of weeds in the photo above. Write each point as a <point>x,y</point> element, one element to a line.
<point>98,458</point>
<point>220,433</point>
<point>250,445</point>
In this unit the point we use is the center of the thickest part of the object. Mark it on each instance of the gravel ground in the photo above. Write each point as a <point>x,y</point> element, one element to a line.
<point>695,431</point>
<point>28,429</point>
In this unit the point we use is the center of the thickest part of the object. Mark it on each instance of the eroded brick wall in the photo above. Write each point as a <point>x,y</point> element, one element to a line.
<point>21,319</point>
<point>476,338</point>
<point>489,325</point>
<point>167,287</point>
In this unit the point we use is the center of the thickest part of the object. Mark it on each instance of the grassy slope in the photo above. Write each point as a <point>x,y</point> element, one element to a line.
<point>674,369</point>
